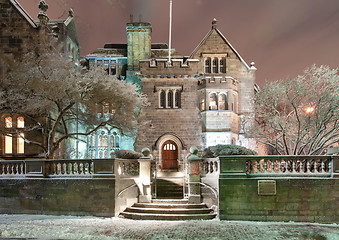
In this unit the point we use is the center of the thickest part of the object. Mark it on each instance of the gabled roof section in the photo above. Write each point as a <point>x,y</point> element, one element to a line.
<point>24,13</point>
<point>214,28</point>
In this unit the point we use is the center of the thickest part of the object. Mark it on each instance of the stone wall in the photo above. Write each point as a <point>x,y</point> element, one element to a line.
<point>15,32</point>
<point>58,196</point>
<point>307,198</point>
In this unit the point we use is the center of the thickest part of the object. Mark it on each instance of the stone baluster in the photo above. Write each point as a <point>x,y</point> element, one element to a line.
<point>194,176</point>
<point>144,182</point>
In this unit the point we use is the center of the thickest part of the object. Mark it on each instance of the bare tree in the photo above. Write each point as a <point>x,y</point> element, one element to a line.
<point>299,116</point>
<point>48,89</point>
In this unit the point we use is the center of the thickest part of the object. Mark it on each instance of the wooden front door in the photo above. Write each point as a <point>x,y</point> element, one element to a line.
<point>169,154</point>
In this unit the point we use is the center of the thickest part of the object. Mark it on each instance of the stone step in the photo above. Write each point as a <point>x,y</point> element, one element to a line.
<point>169,205</point>
<point>167,211</point>
<point>170,201</point>
<point>151,216</point>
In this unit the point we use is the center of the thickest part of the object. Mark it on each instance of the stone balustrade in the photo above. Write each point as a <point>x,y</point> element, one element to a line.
<point>69,168</point>
<point>210,166</point>
<point>12,168</point>
<point>289,166</point>
<point>127,167</point>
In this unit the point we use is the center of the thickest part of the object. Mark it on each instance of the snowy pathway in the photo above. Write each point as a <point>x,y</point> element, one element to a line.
<point>69,227</point>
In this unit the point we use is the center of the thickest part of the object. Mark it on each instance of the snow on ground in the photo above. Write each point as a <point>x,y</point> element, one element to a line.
<point>71,227</point>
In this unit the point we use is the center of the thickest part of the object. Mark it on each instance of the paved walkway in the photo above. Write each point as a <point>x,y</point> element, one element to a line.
<point>68,227</point>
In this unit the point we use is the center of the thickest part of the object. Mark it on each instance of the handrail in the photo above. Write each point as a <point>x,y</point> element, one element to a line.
<point>208,186</point>
<point>125,189</point>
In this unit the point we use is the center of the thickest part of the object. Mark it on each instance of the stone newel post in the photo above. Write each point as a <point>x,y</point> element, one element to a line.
<point>194,163</point>
<point>145,176</point>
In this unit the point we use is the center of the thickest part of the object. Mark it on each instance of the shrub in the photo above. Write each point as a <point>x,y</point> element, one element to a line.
<point>229,149</point>
<point>127,154</point>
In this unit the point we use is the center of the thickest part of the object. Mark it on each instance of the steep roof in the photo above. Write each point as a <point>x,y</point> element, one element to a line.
<point>214,28</point>
<point>24,13</point>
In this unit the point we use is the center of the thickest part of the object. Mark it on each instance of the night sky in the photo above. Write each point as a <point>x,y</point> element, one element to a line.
<point>282,37</point>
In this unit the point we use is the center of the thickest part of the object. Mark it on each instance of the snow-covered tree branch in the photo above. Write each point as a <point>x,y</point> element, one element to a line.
<point>46,87</point>
<point>299,116</point>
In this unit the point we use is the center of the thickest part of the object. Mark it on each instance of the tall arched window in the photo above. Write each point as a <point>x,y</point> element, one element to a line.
<point>222,102</point>
<point>20,122</point>
<point>213,101</point>
<point>8,122</point>
<point>169,99</point>
<point>177,99</point>
<point>215,65</point>
<point>208,65</point>
<point>222,65</point>
<point>162,99</point>
<point>202,104</point>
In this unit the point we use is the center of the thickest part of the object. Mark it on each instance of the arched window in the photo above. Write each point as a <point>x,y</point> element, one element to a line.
<point>20,122</point>
<point>202,104</point>
<point>162,99</point>
<point>215,65</point>
<point>177,99</point>
<point>222,102</point>
<point>208,65</point>
<point>213,101</point>
<point>233,141</point>
<point>8,122</point>
<point>169,99</point>
<point>222,65</point>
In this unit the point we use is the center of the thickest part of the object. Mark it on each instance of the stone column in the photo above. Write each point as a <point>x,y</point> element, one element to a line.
<point>194,163</point>
<point>145,176</point>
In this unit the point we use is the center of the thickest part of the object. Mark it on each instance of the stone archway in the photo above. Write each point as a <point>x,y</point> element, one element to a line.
<point>169,153</point>
<point>165,146</point>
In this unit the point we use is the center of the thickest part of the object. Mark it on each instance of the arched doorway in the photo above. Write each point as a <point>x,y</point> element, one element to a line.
<point>169,153</point>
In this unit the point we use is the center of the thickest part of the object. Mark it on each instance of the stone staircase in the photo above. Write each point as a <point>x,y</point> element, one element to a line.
<point>168,209</point>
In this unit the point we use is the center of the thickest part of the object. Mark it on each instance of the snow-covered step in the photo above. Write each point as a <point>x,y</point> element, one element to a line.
<point>171,209</point>
<point>150,216</point>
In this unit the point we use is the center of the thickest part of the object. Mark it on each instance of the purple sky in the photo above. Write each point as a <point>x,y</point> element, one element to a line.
<point>282,37</point>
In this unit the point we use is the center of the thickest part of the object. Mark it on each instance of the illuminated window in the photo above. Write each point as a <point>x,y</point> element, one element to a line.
<point>8,122</point>
<point>8,145</point>
<point>20,144</point>
<point>20,122</point>
<point>213,101</point>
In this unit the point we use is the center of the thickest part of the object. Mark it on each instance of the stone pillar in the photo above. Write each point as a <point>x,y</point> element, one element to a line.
<point>194,163</point>
<point>145,176</point>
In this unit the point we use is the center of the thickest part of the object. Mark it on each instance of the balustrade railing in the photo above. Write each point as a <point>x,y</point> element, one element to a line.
<point>209,166</point>
<point>289,165</point>
<point>12,168</point>
<point>84,168</point>
<point>127,167</point>
<point>69,168</point>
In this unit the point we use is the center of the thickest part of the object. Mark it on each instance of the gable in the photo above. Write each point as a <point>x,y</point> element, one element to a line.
<point>215,42</point>
<point>23,13</point>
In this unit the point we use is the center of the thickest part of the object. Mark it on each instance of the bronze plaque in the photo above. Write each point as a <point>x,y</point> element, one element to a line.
<point>267,187</point>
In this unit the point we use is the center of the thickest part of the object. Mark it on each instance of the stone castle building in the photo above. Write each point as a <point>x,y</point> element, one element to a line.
<point>201,100</point>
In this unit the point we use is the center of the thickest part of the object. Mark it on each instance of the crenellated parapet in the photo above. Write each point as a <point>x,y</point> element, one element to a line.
<point>177,66</point>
